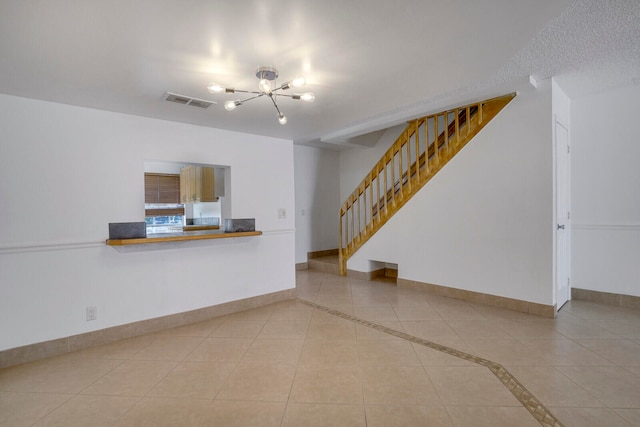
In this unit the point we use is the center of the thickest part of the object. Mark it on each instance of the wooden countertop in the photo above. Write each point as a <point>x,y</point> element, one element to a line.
<point>181,237</point>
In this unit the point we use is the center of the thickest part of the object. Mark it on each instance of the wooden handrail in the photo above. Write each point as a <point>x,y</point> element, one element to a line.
<point>372,203</point>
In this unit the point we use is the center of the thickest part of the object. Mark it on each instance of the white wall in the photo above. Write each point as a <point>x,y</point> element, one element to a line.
<point>605,184</point>
<point>484,223</point>
<point>317,181</point>
<point>66,172</point>
<point>357,162</point>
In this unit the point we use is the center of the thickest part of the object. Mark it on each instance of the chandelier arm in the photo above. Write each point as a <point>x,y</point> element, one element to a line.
<point>275,104</point>
<point>252,97</point>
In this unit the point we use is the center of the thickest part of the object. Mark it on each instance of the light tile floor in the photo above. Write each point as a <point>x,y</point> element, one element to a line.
<point>293,364</point>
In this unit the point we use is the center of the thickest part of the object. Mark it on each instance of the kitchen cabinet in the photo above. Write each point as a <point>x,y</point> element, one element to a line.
<point>197,184</point>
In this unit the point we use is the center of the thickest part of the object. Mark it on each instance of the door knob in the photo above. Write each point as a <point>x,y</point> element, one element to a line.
<point>560,226</point>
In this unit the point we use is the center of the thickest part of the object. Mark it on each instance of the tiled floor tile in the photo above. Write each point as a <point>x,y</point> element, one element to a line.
<point>576,328</point>
<point>432,330</point>
<point>291,310</point>
<point>170,348</point>
<point>633,369</point>
<point>369,299</point>
<point>398,385</point>
<point>329,352</point>
<point>230,413</point>
<point>167,412</point>
<point>456,310</point>
<point>407,416</point>
<point>334,301</point>
<point>24,409</point>
<point>478,416</point>
<point>222,350</point>
<point>292,329</point>
<point>124,349</point>
<point>342,330</point>
<point>259,381</point>
<point>631,415</point>
<point>274,350</point>
<point>201,380</point>
<point>611,385</point>
<point>565,353</point>
<point>95,411</point>
<point>478,329</point>
<point>231,328</point>
<point>470,386</point>
<point>532,329</point>
<point>131,378</point>
<point>327,384</point>
<point>589,417</point>
<point>416,312</point>
<point>316,415</point>
<point>387,352</point>
<point>629,328</point>
<point>620,352</point>
<point>375,313</point>
<point>57,375</point>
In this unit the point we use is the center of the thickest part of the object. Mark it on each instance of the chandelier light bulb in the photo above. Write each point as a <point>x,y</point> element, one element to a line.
<point>215,88</point>
<point>265,86</point>
<point>282,119</point>
<point>308,97</point>
<point>231,105</point>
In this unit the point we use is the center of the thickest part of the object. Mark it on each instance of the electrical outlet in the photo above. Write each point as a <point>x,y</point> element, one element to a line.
<point>92,313</point>
<point>282,213</point>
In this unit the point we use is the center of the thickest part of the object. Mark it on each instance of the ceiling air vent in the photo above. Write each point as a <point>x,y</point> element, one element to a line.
<point>187,100</point>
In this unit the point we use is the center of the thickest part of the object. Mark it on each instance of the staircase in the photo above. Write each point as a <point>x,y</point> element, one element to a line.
<point>423,148</point>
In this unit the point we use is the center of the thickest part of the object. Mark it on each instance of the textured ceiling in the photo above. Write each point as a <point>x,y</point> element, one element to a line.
<point>371,63</point>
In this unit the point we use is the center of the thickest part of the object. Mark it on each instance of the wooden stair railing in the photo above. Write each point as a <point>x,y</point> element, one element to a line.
<point>413,159</point>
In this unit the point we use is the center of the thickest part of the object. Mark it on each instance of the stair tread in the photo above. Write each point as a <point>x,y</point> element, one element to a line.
<point>331,259</point>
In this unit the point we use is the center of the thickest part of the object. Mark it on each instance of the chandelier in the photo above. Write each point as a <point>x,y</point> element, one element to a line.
<point>267,86</point>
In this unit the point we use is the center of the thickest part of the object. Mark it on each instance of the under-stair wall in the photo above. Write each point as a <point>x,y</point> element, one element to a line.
<point>484,222</point>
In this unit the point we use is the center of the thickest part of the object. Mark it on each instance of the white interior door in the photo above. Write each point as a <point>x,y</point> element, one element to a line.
<point>563,216</point>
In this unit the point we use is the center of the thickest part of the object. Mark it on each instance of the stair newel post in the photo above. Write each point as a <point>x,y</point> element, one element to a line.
<point>480,105</point>
<point>386,199</point>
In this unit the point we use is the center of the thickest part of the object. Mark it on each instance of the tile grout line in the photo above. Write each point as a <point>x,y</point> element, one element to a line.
<point>524,396</point>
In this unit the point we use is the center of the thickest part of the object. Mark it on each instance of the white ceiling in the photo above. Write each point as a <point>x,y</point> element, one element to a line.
<point>371,63</point>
